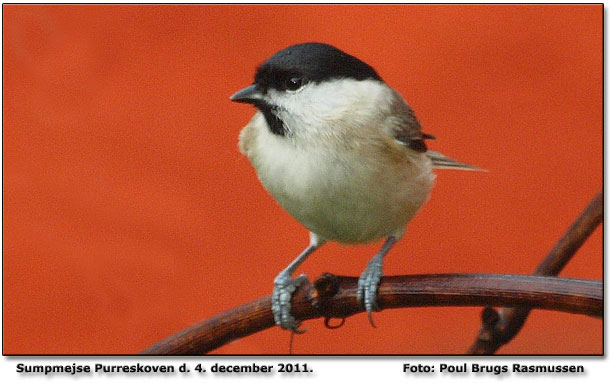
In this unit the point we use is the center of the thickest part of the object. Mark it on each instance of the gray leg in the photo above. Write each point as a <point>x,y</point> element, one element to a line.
<point>370,278</point>
<point>285,286</point>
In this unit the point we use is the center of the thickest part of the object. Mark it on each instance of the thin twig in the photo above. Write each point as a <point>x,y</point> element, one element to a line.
<point>335,296</point>
<point>498,327</point>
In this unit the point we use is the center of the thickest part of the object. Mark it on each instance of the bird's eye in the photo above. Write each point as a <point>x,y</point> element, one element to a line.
<point>294,83</point>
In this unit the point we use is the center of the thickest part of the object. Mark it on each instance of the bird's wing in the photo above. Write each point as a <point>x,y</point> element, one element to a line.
<point>407,131</point>
<point>406,127</point>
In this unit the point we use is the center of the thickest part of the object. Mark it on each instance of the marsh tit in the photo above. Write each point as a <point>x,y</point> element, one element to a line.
<point>341,151</point>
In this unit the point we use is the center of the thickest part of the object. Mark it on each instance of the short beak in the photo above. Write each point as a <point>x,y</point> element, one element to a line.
<point>249,95</point>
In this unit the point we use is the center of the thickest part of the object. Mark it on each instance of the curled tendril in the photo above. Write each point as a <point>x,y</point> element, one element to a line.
<point>332,327</point>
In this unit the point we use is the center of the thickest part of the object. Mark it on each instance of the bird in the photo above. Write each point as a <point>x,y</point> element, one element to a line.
<point>342,152</point>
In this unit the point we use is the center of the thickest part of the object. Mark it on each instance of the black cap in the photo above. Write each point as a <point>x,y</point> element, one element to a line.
<point>313,62</point>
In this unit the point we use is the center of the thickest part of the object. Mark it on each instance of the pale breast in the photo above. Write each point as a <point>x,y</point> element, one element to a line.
<point>341,194</point>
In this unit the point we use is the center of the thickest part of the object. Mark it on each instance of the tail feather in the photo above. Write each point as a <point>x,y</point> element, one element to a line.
<point>440,161</point>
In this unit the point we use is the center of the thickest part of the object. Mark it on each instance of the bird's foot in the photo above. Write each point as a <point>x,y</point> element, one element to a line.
<point>281,301</point>
<point>368,285</point>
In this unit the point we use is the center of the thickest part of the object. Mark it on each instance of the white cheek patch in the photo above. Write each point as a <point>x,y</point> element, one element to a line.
<point>317,106</point>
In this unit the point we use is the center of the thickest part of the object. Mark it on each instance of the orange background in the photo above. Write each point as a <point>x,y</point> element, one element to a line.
<point>129,213</point>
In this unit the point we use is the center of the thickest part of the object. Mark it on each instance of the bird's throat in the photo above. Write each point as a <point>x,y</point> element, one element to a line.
<point>275,124</point>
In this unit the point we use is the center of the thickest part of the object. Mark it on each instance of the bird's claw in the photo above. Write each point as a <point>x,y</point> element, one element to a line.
<point>367,288</point>
<point>284,287</point>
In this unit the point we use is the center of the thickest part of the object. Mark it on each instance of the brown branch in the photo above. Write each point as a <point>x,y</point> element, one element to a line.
<point>335,296</point>
<point>498,327</point>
